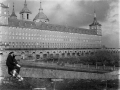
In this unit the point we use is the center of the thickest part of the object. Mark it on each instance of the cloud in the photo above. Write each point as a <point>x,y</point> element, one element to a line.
<point>111,26</point>
<point>111,40</point>
<point>63,11</point>
<point>78,13</point>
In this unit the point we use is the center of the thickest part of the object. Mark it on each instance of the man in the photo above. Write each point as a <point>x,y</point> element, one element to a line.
<point>13,66</point>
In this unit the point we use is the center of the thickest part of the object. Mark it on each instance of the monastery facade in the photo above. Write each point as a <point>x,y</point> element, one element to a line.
<point>41,37</point>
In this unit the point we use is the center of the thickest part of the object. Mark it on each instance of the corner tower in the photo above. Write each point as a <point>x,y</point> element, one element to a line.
<point>41,17</point>
<point>4,14</point>
<point>24,13</point>
<point>13,15</point>
<point>95,25</point>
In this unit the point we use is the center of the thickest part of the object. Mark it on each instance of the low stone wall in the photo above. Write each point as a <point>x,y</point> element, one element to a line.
<point>48,73</point>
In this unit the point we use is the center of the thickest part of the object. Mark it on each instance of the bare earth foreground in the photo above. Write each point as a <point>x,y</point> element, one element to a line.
<point>61,84</point>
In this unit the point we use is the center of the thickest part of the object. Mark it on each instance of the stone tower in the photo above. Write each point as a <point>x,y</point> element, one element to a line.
<point>4,14</point>
<point>25,12</point>
<point>95,25</point>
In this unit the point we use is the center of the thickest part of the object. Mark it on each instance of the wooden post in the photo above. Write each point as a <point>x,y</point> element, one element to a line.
<point>96,66</point>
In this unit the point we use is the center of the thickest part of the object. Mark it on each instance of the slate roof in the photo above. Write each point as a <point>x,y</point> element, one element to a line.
<point>40,15</point>
<point>51,27</point>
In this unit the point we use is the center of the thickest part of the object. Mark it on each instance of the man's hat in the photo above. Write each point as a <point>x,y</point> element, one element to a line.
<point>11,52</point>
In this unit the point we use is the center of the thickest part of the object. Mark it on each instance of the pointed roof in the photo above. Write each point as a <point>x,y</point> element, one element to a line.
<point>40,15</point>
<point>25,9</point>
<point>3,6</point>
<point>95,20</point>
<point>13,12</point>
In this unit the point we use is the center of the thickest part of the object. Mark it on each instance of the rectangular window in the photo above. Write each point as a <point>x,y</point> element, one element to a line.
<point>27,16</point>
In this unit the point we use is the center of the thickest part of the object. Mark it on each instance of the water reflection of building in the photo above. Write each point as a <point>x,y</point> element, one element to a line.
<point>23,34</point>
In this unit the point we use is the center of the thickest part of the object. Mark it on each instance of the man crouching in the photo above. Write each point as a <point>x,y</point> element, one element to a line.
<point>13,66</point>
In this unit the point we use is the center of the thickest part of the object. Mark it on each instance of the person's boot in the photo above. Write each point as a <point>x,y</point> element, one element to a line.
<point>19,78</point>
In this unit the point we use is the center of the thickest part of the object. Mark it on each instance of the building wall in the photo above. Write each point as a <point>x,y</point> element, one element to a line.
<point>33,38</point>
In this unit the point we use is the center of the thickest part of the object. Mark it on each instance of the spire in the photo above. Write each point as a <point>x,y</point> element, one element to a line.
<point>94,14</point>
<point>40,9</point>
<point>13,7</point>
<point>25,4</point>
<point>13,12</point>
<point>95,19</point>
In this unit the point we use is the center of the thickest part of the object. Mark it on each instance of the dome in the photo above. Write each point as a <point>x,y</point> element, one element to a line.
<point>40,16</point>
<point>25,10</point>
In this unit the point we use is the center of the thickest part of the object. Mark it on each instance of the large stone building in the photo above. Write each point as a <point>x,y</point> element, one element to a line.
<point>41,37</point>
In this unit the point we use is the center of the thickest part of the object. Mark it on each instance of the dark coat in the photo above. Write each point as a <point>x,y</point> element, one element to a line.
<point>11,61</point>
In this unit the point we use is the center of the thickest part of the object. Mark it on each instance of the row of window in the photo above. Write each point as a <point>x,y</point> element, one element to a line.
<point>36,34</point>
<point>96,46</point>
<point>45,37</point>
<point>29,32</point>
<point>52,39</point>
<point>50,45</point>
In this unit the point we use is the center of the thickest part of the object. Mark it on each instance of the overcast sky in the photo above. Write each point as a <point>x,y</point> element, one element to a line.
<point>78,13</point>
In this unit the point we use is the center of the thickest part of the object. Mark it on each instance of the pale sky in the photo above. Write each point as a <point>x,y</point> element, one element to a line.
<point>77,13</point>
